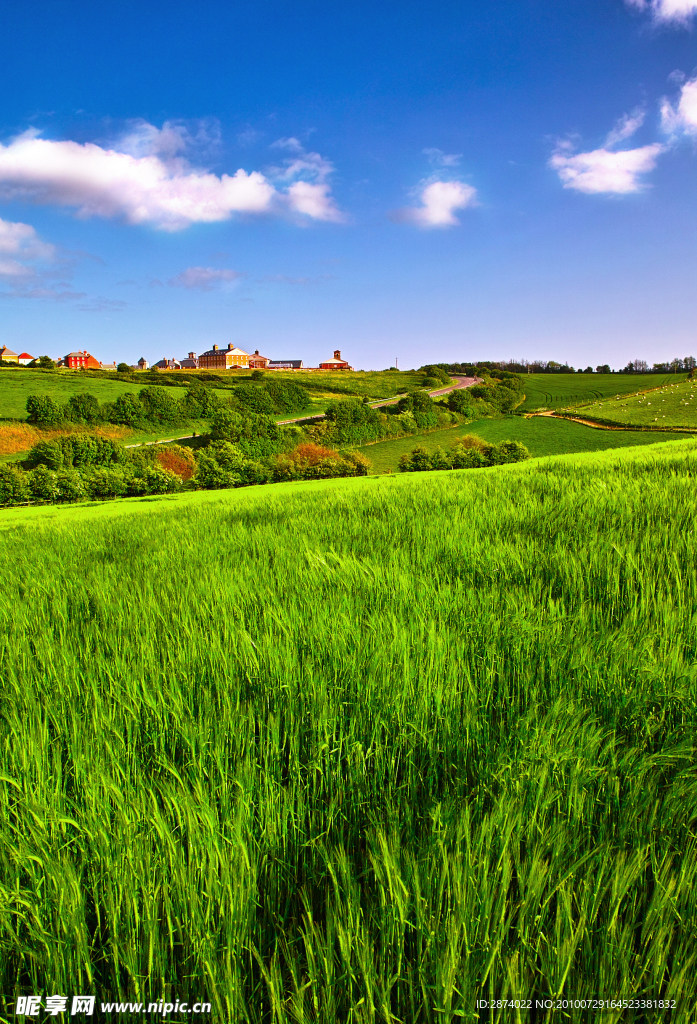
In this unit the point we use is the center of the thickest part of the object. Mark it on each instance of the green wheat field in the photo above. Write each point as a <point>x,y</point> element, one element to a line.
<point>359,751</point>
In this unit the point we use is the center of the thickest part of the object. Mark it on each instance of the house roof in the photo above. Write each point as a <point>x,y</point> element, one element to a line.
<point>7,351</point>
<point>285,362</point>
<point>25,355</point>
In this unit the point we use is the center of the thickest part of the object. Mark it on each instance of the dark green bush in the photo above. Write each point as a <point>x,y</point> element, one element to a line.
<point>42,410</point>
<point>14,488</point>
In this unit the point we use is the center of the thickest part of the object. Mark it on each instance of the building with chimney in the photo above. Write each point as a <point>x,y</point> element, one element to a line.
<point>191,362</point>
<point>230,358</point>
<point>337,363</point>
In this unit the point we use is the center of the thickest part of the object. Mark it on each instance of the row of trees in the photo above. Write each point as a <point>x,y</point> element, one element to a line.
<point>157,406</point>
<point>468,452</point>
<point>677,365</point>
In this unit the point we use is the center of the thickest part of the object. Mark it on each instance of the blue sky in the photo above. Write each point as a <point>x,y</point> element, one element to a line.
<point>396,180</point>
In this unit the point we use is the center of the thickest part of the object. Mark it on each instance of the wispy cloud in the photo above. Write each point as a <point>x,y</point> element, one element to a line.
<point>29,266</point>
<point>676,11</point>
<point>145,179</point>
<point>309,194</point>
<point>440,159</point>
<point>438,202</point>
<point>102,305</point>
<point>204,279</point>
<point>625,128</point>
<point>681,119</point>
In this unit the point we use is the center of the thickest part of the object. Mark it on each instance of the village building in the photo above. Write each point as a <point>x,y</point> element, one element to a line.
<point>7,355</point>
<point>78,360</point>
<point>108,366</point>
<point>285,364</point>
<point>191,362</point>
<point>337,363</point>
<point>24,359</point>
<point>257,362</point>
<point>143,364</point>
<point>229,358</point>
<point>167,364</point>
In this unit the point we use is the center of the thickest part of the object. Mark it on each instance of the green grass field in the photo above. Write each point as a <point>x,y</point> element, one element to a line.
<point>558,390</point>
<point>17,385</point>
<point>540,434</point>
<point>673,405</point>
<point>360,751</point>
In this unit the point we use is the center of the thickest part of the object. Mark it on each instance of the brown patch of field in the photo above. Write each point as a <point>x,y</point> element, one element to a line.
<point>20,437</point>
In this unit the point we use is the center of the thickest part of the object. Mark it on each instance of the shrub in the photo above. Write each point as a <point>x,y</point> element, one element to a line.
<point>160,406</point>
<point>469,453</point>
<point>42,484</point>
<point>42,410</point>
<point>69,486</point>
<point>83,408</point>
<point>13,486</point>
<point>106,483</point>
<point>123,368</point>
<point>176,459</point>
<point>128,409</point>
<point>211,476</point>
<point>460,401</point>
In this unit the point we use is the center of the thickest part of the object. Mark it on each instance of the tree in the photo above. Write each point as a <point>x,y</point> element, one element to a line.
<point>160,407</point>
<point>128,409</point>
<point>257,374</point>
<point>46,363</point>
<point>123,368</point>
<point>603,369</point>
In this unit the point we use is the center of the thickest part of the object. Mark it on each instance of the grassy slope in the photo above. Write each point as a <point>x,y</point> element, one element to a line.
<point>674,405</point>
<point>17,385</point>
<point>357,749</point>
<point>557,390</point>
<point>541,435</point>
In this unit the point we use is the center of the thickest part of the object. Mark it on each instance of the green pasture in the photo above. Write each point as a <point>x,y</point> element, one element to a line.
<point>372,384</point>
<point>17,385</point>
<point>673,405</point>
<point>558,390</point>
<point>365,750</point>
<point>542,435</point>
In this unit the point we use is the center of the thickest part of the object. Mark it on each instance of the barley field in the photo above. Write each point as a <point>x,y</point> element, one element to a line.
<point>672,405</point>
<point>559,390</point>
<point>365,750</point>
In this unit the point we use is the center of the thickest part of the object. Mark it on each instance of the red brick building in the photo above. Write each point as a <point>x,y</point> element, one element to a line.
<point>257,362</point>
<point>75,360</point>
<point>337,363</point>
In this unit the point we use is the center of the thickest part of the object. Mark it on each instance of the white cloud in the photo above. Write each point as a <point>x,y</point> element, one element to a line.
<point>439,200</point>
<point>203,278</point>
<point>667,10</point>
<point>441,159</point>
<point>20,249</point>
<point>681,119</point>
<point>145,181</point>
<point>603,170</point>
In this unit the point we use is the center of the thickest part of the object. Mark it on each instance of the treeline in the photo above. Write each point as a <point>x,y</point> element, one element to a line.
<point>468,452</point>
<point>82,466</point>
<point>156,406</point>
<point>685,365</point>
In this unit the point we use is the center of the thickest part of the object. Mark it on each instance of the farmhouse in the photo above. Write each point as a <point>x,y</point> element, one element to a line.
<point>190,363</point>
<point>229,358</point>
<point>77,360</point>
<point>7,355</point>
<point>337,363</point>
<point>285,364</point>
<point>143,364</point>
<point>257,362</point>
<point>168,364</point>
<point>24,359</point>
<point>108,366</point>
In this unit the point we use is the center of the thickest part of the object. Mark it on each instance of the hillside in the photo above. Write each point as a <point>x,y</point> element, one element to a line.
<point>366,750</point>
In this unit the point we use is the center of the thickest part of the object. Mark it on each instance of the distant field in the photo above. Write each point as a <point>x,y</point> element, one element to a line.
<point>541,435</point>
<point>17,385</point>
<point>674,405</point>
<point>554,390</point>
